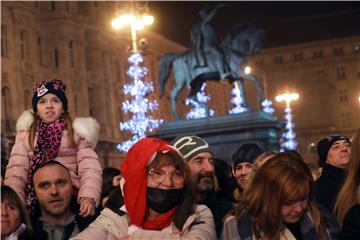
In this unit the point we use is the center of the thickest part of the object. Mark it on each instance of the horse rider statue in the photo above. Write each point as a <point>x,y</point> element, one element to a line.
<point>205,46</point>
<point>210,59</point>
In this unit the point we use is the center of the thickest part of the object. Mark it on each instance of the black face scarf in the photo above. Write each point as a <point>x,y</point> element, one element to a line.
<point>162,200</point>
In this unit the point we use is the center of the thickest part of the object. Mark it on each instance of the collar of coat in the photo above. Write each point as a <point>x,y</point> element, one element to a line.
<point>245,229</point>
<point>87,128</point>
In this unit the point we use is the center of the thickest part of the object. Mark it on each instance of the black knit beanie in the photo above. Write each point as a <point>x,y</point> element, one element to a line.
<point>247,152</point>
<point>325,144</point>
<point>54,86</point>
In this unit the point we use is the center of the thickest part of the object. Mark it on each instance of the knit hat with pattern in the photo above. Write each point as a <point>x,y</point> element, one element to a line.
<point>54,86</point>
<point>190,146</point>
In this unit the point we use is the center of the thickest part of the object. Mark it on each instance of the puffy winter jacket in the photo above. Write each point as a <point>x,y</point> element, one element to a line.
<point>81,160</point>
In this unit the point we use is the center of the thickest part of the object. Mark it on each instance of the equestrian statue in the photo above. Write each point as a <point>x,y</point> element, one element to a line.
<point>211,59</point>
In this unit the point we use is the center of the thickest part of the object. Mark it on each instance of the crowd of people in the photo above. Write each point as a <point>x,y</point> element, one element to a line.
<point>55,188</point>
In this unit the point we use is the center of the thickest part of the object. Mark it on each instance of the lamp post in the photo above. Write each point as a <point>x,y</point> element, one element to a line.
<point>288,138</point>
<point>139,123</point>
<point>136,23</point>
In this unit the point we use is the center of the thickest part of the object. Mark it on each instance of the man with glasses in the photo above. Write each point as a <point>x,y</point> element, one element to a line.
<point>334,154</point>
<point>200,159</point>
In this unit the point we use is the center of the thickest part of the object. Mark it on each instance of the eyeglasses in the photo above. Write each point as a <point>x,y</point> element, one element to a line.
<point>159,176</point>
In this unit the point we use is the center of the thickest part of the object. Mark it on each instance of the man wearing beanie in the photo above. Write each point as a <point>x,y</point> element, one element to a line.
<point>243,159</point>
<point>200,158</point>
<point>334,154</point>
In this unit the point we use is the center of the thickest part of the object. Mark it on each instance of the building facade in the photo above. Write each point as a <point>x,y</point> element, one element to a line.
<point>326,74</point>
<point>74,42</point>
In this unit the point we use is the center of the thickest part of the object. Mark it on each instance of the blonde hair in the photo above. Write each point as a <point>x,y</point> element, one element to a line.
<point>283,178</point>
<point>260,160</point>
<point>347,195</point>
<point>34,128</point>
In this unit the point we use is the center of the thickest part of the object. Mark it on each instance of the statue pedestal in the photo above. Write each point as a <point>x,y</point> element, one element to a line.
<point>227,133</point>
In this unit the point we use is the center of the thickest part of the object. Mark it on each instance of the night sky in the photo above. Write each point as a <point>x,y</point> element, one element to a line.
<point>284,22</point>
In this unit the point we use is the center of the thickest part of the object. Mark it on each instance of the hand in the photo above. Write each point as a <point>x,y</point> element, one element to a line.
<point>87,207</point>
<point>116,180</point>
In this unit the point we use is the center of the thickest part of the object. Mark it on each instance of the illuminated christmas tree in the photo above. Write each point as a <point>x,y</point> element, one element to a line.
<point>198,111</point>
<point>237,101</point>
<point>139,124</point>
<point>267,106</point>
<point>287,140</point>
<point>288,137</point>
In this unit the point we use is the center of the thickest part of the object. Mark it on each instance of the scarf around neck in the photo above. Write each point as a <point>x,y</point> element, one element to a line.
<point>47,146</point>
<point>15,235</point>
<point>162,221</point>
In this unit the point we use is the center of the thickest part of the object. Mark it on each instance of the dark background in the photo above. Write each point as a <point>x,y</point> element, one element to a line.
<point>284,22</point>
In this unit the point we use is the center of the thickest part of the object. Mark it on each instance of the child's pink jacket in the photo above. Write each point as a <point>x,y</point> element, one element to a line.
<point>81,160</point>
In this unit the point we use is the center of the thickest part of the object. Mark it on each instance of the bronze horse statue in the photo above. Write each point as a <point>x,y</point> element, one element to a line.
<point>243,40</point>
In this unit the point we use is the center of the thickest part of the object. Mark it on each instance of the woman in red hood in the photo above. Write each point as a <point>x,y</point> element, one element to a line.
<point>154,200</point>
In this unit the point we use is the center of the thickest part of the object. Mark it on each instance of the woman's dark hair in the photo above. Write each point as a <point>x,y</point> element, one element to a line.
<point>4,155</point>
<point>115,201</point>
<point>108,175</point>
<point>7,193</point>
<point>225,179</point>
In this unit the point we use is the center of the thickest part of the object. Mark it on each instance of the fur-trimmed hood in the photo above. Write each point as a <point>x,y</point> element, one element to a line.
<point>87,128</point>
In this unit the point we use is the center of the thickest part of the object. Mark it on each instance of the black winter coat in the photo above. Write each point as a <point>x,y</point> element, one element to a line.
<point>328,186</point>
<point>351,224</point>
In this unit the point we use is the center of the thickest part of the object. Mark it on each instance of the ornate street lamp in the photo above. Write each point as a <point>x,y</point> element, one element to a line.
<point>288,138</point>
<point>136,22</point>
<point>140,123</point>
